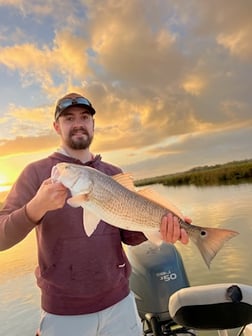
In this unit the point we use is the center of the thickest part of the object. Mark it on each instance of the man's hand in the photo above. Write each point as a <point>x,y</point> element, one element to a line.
<point>50,196</point>
<point>171,231</point>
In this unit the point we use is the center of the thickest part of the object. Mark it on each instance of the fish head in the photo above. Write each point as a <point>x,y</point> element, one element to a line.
<point>75,177</point>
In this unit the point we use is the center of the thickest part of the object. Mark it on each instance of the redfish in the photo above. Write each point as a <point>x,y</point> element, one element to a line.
<point>115,200</point>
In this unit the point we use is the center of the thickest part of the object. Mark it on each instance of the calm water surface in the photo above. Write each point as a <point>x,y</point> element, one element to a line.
<point>227,207</point>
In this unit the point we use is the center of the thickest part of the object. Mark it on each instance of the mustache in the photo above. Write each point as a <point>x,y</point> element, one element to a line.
<point>78,129</point>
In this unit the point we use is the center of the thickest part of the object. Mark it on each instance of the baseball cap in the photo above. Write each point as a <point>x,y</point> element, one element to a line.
<point>72,99</point>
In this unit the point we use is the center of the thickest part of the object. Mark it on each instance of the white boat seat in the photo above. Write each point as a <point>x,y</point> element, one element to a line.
<point>219,306</point>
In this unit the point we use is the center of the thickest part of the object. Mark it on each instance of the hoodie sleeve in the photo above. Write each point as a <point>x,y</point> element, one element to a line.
<point>132,237</point>
<point>14,223</point>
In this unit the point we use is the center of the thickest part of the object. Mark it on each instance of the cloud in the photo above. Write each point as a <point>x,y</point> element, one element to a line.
<point>66,59</point>
<point>194,85</point>
<point>237,43</point>
<point>22,145</point>
<point>149,54</point>
<point>156,75</point>
<point>189,151</point>
<point>229,22</point>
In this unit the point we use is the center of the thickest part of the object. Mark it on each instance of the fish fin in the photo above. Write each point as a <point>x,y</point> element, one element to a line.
<point>211,240</point>
<point>90,222</point>
<point>154,237</point>
<point>76,201</point>
<point>157,198</point>
<point>126,180</point>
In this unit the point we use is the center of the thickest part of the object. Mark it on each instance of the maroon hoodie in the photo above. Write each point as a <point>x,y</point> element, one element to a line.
<point>76,274</point>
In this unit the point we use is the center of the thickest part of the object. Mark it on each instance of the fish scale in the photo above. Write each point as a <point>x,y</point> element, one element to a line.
<point>115,201</point>
<point>139,208</point>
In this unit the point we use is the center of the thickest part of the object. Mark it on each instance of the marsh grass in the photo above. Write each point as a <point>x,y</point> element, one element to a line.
<point>222,174</point>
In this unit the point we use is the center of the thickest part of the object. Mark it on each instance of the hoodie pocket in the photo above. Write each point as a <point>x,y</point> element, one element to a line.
<point>84,265</point>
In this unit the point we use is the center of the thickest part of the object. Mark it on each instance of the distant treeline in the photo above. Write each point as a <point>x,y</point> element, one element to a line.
<point>229,173</point>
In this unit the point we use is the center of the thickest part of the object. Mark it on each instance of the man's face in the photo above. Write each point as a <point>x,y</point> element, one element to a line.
<point>76,127</point>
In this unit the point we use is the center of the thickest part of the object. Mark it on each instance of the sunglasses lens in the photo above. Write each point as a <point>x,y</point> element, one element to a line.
<point>62,105</point>
<point>68,102</point>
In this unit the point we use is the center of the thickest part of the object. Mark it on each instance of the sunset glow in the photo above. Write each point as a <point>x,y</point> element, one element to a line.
<point>171,92</point>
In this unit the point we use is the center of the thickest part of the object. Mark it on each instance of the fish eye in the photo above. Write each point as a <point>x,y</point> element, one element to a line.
<point>203,233</point>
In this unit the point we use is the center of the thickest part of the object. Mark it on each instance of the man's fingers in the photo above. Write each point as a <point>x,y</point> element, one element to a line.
<point>171,230</point>
<point>184,238</point>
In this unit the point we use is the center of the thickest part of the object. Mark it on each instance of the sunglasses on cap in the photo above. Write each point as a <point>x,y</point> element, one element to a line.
<point>67,102</point>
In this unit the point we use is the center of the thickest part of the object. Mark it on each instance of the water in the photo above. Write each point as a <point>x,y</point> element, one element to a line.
<point>19,296</point>
<point>225,206</point>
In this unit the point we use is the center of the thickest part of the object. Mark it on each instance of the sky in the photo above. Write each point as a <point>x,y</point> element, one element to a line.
<point>171,80</point>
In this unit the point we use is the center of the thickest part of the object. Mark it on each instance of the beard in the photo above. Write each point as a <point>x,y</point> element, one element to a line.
<point>82,142</point>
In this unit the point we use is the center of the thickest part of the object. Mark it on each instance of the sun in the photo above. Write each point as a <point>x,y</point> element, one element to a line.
<point>4,183</point>
<point>3,179</point>
<point>4,188</point>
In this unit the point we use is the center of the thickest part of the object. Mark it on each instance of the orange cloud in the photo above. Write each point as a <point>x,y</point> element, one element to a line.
<point>28,144</point>
<point>66,58</point>
<point>238,42</point>
<point>194,85</point>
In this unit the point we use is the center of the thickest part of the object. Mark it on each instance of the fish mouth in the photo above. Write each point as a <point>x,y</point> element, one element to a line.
<point>59,173</point>
<point>55,174</point>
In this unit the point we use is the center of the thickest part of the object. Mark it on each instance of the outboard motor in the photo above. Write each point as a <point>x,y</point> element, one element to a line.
<point>157,272</point>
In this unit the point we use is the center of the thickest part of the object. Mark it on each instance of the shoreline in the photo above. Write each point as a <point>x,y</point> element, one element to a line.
<point>235,172</point>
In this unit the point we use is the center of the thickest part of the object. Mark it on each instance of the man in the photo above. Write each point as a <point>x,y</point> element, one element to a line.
<point>83,280</point>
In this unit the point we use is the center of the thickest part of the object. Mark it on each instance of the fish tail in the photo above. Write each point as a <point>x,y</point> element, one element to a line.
<point>211,240</point>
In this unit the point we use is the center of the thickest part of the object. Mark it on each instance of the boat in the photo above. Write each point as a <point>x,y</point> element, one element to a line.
<point>168,305</point>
